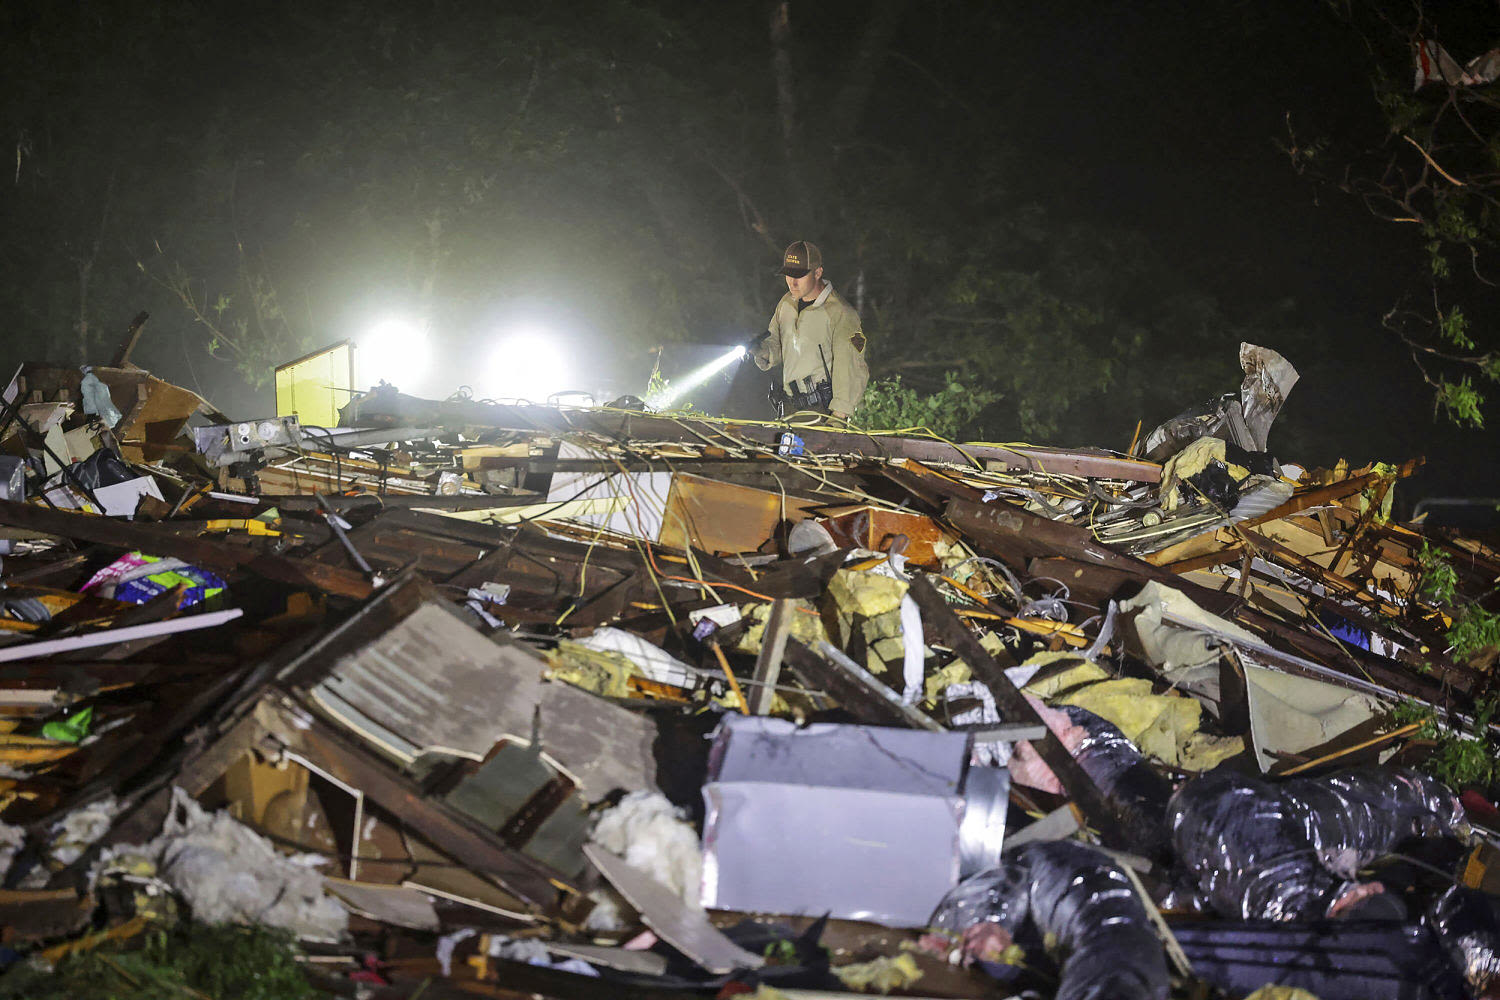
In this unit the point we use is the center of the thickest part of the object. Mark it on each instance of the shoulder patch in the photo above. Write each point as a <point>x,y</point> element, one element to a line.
<point>858,340</point>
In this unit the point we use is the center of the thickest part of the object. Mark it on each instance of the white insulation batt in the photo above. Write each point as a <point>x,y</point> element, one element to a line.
<point>228,873</point>
<point>650,834</point>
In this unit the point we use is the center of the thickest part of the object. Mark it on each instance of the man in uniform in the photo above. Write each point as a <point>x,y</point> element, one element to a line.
<point>816,338</point>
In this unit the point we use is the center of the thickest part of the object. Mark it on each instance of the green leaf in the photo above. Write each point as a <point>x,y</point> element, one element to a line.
<point>1460,402</point>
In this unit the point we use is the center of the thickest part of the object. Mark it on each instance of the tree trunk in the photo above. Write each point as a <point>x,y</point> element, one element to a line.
<point>874,44</point>
<point>86,273</point>
<point>781,70</point>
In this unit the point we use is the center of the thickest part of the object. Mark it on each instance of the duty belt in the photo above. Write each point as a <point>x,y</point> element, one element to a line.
<point>819,397</point>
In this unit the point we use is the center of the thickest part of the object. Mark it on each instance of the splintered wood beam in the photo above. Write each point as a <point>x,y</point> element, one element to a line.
<point>618,425</point>
<point>854,688</point>
<point>221,557</point>
<point>772,649</point>
<point>132,337</point>
<point>1206,561</point>
<point>1322,495</point>
<point>1336,583</point>
<point>395,501</point>
<point>1014,707</point>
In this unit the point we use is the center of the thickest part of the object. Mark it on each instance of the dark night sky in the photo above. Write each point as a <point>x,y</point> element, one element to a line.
<point>1155,116</point>
<point>1169,114</point>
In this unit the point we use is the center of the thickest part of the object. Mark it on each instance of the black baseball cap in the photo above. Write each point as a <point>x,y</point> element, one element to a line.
<point>800,258</point>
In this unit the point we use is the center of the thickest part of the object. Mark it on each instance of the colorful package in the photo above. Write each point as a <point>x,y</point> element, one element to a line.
<point>136,578</point>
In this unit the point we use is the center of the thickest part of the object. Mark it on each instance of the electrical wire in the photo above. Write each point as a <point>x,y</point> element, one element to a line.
<point>644,545</point>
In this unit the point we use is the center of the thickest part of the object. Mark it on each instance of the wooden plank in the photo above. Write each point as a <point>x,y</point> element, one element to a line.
<point>665,913</point>
<point>109,637</point>
<point>132,337</point>
<point>772,649</point>
<point>854,688</point>
<point>1005,732</point>
<point>758,471</point>
<point>223,557</point>
<point>37,914</point>
<point>1206,561</point>
<point>1203,544</point>
<point>723,517</point>
<point>1016,529</point>
<point>1014,707</point>
<point>54,567</point>
<point>646,963</point>
<point>619,425</point>
<point>394,501</point>
<point>1059,824</point>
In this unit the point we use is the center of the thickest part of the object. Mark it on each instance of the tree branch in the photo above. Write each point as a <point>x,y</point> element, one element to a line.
<point>758,225</point>
<point>86,270</point>
<point>1426,156</point>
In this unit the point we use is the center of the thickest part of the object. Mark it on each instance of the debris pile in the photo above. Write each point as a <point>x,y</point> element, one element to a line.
<point>497,700</point>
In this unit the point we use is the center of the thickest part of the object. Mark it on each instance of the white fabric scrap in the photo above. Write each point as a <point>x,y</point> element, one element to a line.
<point>12,839</point>
<point>913,639</point>
<point>656,663</point>
<point>534,952</point>
<point>996,754</point>
<point>913,652</point>
<point>447,943</point>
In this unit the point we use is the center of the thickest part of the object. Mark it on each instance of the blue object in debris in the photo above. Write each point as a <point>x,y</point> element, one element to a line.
<point>791,444</point>
<point>1347,631</point>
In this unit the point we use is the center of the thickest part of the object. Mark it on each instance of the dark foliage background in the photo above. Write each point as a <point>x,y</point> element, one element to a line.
<point>1082,207</point>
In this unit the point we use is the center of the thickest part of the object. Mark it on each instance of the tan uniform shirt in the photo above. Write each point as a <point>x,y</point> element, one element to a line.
<point>822,340</point>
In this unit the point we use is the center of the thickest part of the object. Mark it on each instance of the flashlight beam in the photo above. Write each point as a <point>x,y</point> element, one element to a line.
<point>695,378</point>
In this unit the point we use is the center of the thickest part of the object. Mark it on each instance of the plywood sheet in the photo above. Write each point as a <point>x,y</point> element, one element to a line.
<point>724,517</point>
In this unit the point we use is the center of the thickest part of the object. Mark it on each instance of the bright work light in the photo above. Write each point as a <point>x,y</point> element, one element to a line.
<point>527,364</point>
<point>396,350</point>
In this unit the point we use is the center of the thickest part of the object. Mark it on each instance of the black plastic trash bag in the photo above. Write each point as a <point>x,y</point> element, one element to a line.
<point>102,468</point>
